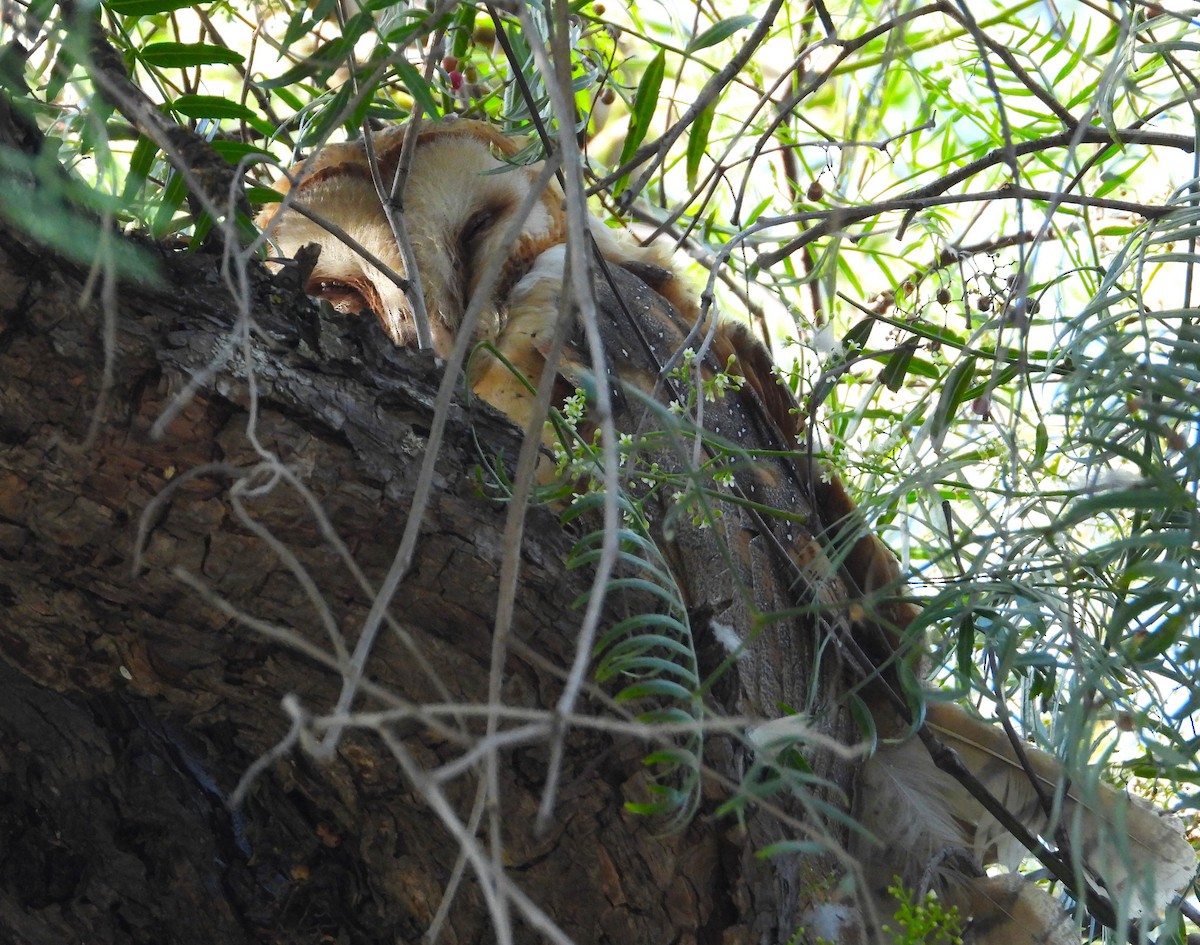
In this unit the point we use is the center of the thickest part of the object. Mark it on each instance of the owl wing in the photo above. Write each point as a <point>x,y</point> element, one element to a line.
<point>812,550</point>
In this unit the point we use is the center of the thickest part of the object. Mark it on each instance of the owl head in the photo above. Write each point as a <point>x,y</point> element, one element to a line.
<point>458,204</point>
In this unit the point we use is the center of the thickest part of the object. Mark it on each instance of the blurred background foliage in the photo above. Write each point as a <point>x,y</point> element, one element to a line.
<point>968,231</point>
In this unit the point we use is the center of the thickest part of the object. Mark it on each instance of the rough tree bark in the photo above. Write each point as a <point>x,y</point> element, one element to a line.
<point>132,702</point>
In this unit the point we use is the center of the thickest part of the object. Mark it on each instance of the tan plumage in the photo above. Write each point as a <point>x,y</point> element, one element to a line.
<point>459,202</point>
<point>1138,854</point>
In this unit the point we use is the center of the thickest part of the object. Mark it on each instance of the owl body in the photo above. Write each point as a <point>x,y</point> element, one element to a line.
<point>461,210</point>
<point>460,188</point>
<point>470,187</point>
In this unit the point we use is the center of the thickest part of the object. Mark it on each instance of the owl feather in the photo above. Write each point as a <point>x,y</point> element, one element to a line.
<point>921,823</point>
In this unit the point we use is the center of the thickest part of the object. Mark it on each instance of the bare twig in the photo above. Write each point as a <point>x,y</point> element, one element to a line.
<point>834,220</point>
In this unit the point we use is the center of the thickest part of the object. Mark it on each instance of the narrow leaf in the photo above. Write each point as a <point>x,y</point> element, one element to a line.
<point>864,720</point>
<point>147,7</point>
<point>234,151</point>
<point>859,334</point>
<point>721,30</point>
<point>258,196</point>
<point>211,106</point>
<point>645,101</point>
<point>791,848</point>
<point>893,373</point>
<point>958,383</point>
<point>140,164</point>
<point>697,142</point>
<point>182,55</point>
<point>1041,443</point>
<point>1146,498</point>
<point>661,688</point>
<point>417,87</point>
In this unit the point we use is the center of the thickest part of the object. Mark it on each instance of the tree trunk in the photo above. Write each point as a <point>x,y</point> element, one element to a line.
<point>181,548</point>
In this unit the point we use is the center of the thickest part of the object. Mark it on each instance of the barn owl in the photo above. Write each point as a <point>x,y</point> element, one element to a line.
<point>461,207</point>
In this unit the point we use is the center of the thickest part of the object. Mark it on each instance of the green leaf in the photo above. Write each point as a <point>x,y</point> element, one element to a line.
<point>721,30</point>
<point>645,101</point>
<point>755,212</point>
<point>417,87</point>
<point>182,55</point>
<point>791,847</point>
<point>1151,645</point>
<point>1070,65</point>
<point>636,585</point>
<point>332,109</point>
<point>1041,443</point>
<point>1117,229</point>
<point>955,391</point>
<point>859,334</point>
<point>464,26</point>
<point>1035,660</point>
<point>892,375</point>
<point>62,214</point>
<point>148,7</point>
<point>290,99</point>
<point>1129,613</point>
<point>864,721</point>
<point>212,106</point>
<point>964,648</point>
<point>140,164</point>
<point>259,196</point>
<point>653,667</point>
<point>234,151</point>
<point>657,688</point>
<point>666,716</point>
<point>172,199</point>
<point>298,26</point>
<point>1146,498</point>
<point>698,141</point>
<point>670,756</point>
<point>631,624</point>
<point>647,809</point>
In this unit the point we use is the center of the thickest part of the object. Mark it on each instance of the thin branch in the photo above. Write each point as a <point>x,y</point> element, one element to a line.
<point>838,218</point>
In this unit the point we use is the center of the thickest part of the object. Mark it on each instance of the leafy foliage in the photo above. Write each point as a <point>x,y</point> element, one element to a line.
<point>924,920</point>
